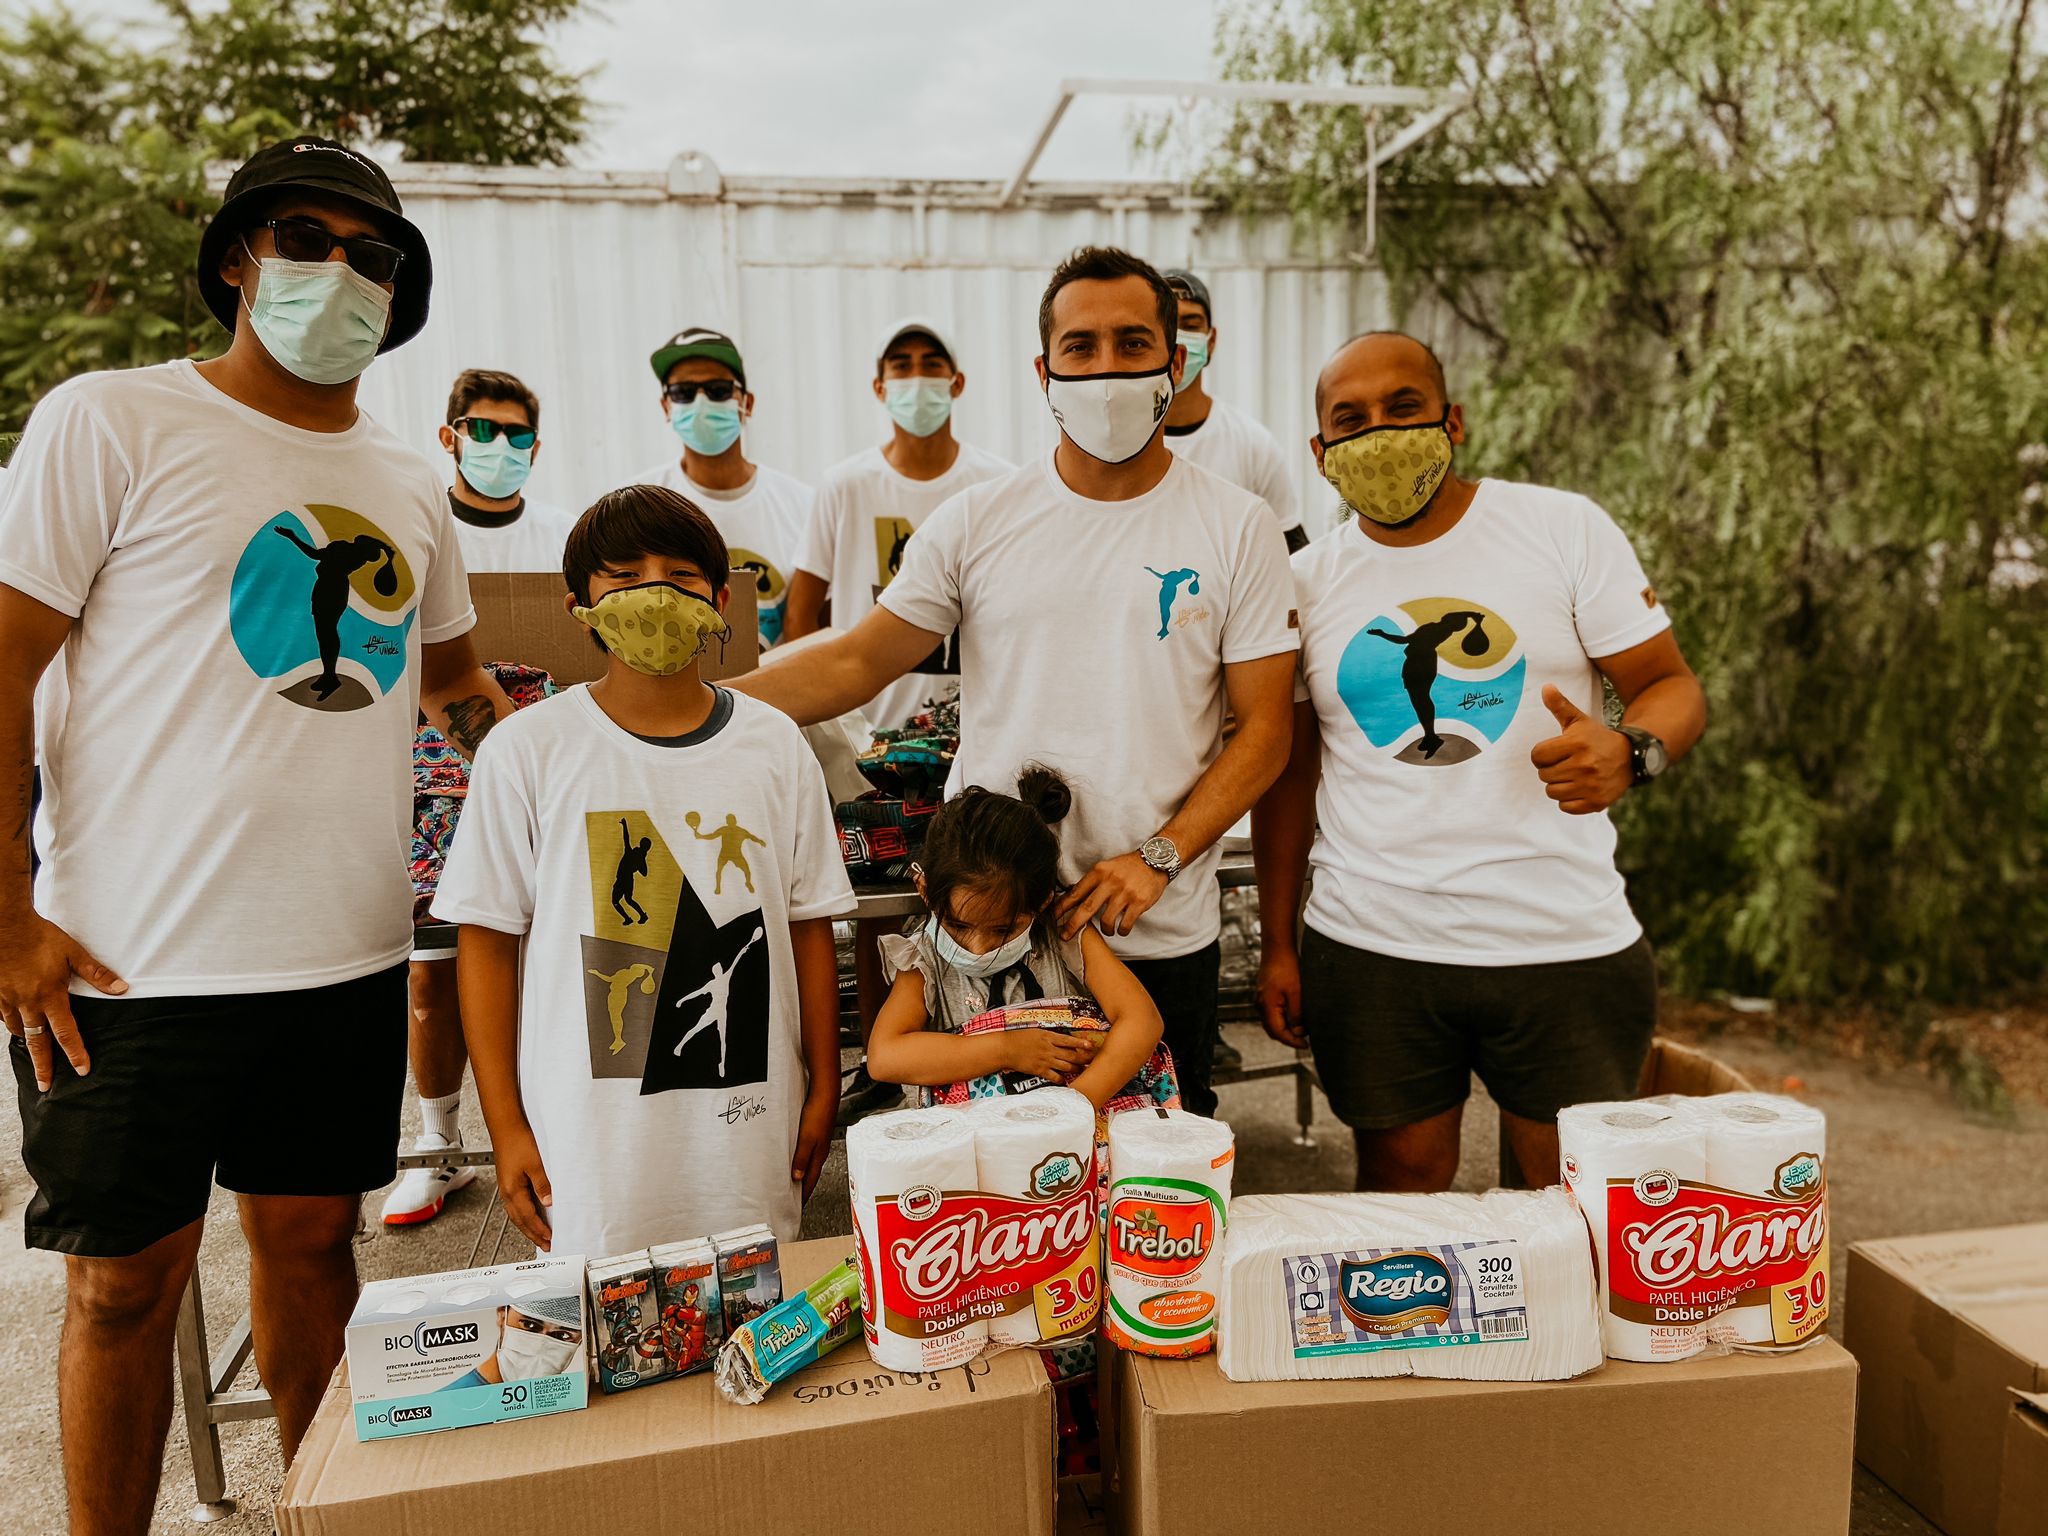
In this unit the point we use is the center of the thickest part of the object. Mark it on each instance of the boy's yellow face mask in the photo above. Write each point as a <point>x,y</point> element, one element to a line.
<point>654,627</point>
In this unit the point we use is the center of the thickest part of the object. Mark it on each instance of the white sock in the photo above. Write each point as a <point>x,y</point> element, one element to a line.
<point>442,1117</point>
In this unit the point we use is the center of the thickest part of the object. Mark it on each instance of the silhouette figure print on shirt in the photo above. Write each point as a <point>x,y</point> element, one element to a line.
<point>336,562</point>
<point>632,865</point>
<point>718,994</point>
<point>1419,669</point>
<point>618,986</point>
<point>1170,583</point>
<point>732,840</point>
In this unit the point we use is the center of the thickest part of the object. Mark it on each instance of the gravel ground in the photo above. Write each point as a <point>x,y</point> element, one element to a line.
<point>1905,1156</point>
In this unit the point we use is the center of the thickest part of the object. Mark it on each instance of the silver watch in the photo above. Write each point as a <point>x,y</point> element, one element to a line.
<point>1159,853</point>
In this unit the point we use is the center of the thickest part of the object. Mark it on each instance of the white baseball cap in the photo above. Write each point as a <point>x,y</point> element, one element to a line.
<point>919,325</point>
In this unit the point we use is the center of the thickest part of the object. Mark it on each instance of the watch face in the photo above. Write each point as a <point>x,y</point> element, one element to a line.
<point>1158,852</point>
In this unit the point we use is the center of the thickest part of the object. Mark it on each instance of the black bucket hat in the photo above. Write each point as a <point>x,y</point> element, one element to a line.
<point>319,165</point>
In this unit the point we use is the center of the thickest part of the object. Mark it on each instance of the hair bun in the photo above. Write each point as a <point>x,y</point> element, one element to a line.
<point>1045,792</point>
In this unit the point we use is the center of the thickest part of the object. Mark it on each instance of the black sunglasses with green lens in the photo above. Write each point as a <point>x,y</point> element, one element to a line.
<point>716,390</point>
<point>481,429</point>
<point>303,240</point>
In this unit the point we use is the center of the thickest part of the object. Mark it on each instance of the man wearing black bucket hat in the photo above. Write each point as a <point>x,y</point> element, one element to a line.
<point>255,589</point>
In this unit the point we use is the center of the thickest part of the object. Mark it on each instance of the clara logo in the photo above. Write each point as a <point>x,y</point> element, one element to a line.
<point>1395,1292</point>
<point>1436,683</point>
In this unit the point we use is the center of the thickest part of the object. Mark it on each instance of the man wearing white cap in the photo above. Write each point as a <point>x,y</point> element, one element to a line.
<point>866,512</point>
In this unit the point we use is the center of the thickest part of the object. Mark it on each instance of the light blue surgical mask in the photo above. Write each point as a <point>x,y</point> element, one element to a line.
<point>705,425</point>
<point>321,320</point>
<point>1197,343</point>
<point>966,961</point>
<point>495,469</point>
<point>919,406</point>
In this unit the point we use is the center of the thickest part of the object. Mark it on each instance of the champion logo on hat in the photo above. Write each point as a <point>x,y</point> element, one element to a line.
<point>336,149</point>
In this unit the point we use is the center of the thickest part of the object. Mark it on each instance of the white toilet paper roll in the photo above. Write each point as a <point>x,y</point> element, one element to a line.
<point>1770,1146</point>
<point>1040,1147</point>
<point>901,1168</point>
<point>1649,1150</point>
<point>1169,1203</point>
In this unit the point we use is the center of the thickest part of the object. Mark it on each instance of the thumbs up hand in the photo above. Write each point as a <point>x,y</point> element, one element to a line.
<point>1586,766</point>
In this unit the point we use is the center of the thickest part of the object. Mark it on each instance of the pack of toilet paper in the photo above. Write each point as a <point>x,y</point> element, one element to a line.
<point>975,1226</point>
<point>1169,1202</point>
<point>1492,1287</point>
<point>1710,1219</point>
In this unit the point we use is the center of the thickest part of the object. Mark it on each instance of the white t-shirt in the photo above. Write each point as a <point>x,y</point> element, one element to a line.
<point>222,812</point>
<point>763,524</point>
<point>1231,444</point>
<point>859,531</point>
<point>1442,845</point>
<point>1093,637</point>
<point>530,542</point>
<point>660,1039</point>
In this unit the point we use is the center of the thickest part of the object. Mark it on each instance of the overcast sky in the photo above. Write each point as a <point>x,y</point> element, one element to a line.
<point>885,88</point>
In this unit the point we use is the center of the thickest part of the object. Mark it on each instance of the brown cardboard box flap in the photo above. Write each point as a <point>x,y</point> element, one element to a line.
<point>1687,1071</point>
<point>1994,1278</point>
<point>2023,1489</point>
<point>843,1445</point>
<point>520,617</point>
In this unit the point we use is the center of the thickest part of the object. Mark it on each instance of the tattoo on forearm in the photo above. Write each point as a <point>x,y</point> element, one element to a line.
<point>469,722</point>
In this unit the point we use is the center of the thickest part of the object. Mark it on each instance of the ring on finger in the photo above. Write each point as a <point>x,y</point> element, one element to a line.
<point>30,1031</point>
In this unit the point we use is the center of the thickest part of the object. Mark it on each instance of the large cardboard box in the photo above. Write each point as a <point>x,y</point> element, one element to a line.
<point>1705,1447</point>
<point>2023,1489</point>
<point>1946,1328</point>
<point>520,617</point>
<point>844,1447</point>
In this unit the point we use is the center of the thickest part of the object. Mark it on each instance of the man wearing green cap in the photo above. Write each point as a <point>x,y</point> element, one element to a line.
<point>761,512</point>
<point>256,589</point>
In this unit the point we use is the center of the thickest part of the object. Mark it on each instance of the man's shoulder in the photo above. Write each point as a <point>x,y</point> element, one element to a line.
<point>1538,503</point>
<point>113,395</point>
<point>762,728</point>
<point>1243,424</point>
<point>541,726</point>
<point>983,465</point>
<point>669,473</point>
<point>1227,505</point>
<point>1317,561</point>
<point>780,485</point>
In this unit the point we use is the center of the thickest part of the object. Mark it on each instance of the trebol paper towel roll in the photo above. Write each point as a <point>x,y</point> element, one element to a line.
<point>1169,1203</point>
<point>1493,1287</point>
<point>1737,1252</point>
<point>1033,1257</point>
<point>903,1169</point>
<point>1648,1149</point>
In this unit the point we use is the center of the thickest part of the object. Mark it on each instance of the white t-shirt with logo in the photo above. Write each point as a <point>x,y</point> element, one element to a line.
<point>1426,666</point>
<point>227,769</point>
<point>660,1037</point>
<point>1093,637</point>
<point>859,532</point>
<point>530,542</point>
<point>763,524</point>
<point>1231,444</point>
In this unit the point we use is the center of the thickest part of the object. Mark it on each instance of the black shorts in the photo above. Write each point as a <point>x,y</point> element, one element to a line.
<point>1396,1041</point>
<point>1185,989</point>
<point>273,1093</point>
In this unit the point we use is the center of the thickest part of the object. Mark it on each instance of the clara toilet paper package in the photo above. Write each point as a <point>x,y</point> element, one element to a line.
<point>1036,1153</point>
<point>1492,1287</point>
<point>1169,1203</point>
<point>1710,1219</point>
<point>901,1167</point>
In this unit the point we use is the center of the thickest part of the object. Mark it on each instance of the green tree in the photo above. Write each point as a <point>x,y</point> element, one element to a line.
<point>104,194</point>
<point>1767,278</point>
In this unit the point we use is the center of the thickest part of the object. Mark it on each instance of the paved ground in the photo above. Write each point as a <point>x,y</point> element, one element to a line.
<point>1904,1158</point>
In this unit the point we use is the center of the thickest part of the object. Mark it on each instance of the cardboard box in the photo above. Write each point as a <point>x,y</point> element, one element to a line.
<point>2023,1489</point>
<point>1706,1447</point>
<point>520,617</point>
<point>1946,1328</point>
<point>843,1446</point>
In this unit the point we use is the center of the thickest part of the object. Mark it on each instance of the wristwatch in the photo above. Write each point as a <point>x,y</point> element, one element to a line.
<point>1646,753</point>
<point>1160,854</point>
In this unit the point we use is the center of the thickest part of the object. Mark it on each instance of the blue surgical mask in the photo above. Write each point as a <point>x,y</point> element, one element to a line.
<point>966,961</point>
<point>705,425</point>
<point>919,406</point>
<point>495,469</point>
<point>1197,343</point>
<point>321,320</point>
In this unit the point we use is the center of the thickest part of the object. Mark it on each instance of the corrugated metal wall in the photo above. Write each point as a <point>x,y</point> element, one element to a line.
<point>570,279</point>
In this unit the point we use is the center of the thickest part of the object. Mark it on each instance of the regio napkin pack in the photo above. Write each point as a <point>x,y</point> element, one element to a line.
<point>473,1346</point>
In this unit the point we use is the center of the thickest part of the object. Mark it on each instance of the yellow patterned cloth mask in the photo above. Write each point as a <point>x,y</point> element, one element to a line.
<point>1389,474</point>
<point>655,627</point>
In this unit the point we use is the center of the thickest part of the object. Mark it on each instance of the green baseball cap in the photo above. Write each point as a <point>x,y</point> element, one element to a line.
<point>698,341</point>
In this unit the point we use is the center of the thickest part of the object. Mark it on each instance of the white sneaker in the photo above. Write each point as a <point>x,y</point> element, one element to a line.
<point>423,1191</point>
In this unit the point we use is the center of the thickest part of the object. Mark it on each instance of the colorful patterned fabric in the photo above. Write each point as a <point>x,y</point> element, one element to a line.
<point>881,832</point>
<point>440,779</point>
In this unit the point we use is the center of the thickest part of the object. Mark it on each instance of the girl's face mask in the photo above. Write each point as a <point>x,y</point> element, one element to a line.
<point>654,627</point>
<point>966,961</point>
<point>1389,474</point>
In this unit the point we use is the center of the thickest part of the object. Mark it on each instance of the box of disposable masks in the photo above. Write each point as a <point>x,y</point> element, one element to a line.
<point>473,1346</point>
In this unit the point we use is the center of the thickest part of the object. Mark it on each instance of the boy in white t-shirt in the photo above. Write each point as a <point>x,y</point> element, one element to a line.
<point>645,879</point>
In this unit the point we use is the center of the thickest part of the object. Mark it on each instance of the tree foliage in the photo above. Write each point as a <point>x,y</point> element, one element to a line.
<point>103,191</point>
<point>1768,278</point>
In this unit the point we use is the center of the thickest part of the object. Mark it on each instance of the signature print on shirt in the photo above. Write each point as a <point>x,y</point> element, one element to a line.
<point>1439,683</point>
<point>301,601</point>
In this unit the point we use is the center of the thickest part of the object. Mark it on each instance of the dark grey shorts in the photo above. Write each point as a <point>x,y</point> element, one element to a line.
<point>1396,1041</point>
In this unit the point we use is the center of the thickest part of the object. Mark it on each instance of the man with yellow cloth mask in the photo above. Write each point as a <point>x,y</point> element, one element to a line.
<point>1449,782</point>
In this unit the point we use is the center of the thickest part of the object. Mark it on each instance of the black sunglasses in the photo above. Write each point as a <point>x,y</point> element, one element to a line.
<point>717,390</point>
<point>303,240</point>
<point>481,429</point>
